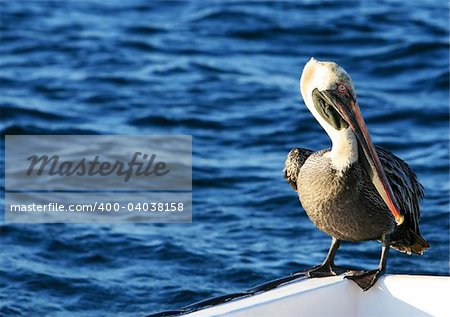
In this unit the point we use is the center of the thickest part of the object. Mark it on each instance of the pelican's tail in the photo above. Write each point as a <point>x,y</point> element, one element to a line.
<point>410,242</point>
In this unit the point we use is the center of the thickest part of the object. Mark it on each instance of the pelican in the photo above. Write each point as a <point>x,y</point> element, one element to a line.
<point>355,191</point>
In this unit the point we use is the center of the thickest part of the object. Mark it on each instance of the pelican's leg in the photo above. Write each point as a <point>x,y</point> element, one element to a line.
<point>366,279</point>
<point>327,268</point>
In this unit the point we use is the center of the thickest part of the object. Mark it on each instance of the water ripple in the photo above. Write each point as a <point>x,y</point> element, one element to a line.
<point>227,74</point>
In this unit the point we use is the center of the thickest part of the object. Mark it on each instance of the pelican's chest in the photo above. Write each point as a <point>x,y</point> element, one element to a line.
<point>334,202</point>
<point>320,186</point>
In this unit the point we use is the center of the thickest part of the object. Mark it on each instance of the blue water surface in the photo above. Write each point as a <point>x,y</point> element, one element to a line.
<point>226,73</point>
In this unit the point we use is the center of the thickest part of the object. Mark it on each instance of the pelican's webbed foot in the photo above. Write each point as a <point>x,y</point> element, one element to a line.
<point>365,279</point>
<point>324,270</point>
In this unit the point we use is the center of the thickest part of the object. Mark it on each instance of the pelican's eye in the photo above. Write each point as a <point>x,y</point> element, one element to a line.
<point>341,88</point>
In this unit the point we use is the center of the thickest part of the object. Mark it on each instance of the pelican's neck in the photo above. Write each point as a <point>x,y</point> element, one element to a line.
<point>344,150</point>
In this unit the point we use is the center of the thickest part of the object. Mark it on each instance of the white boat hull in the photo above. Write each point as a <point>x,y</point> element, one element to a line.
<point>393,295</point>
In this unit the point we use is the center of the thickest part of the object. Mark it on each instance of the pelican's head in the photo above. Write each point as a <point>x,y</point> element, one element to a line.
<point>319,78</point>
<point>330,95</point>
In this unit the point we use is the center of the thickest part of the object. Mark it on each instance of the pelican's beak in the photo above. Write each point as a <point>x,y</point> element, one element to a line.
<point>348,109</point>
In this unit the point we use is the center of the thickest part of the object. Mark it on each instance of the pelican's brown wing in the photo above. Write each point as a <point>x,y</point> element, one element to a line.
<point>409,192</point>
<point>294,161</point>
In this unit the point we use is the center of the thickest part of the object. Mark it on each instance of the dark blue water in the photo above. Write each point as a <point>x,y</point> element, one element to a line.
<point>227,74</point>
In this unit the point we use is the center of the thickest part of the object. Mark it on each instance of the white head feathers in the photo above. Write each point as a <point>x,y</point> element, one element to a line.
<point>326,76</point>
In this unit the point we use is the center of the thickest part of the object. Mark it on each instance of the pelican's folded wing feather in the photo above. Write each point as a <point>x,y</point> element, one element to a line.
<point>408,192</point>
<point>294,161</point>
